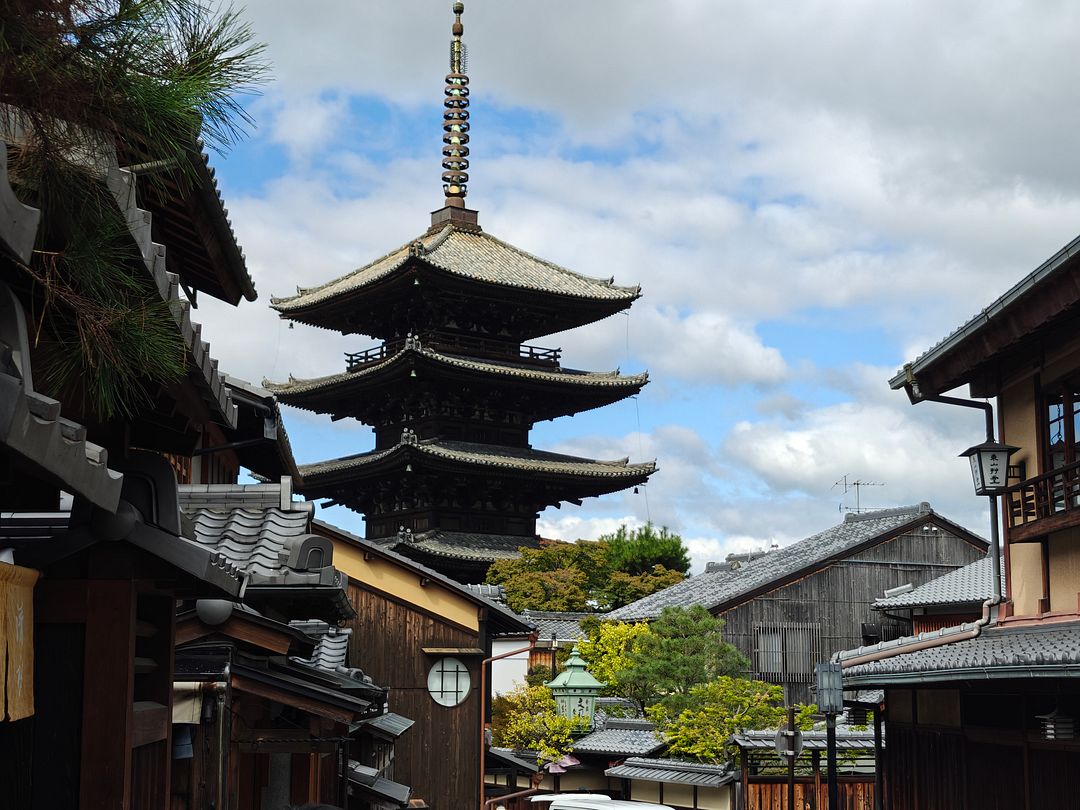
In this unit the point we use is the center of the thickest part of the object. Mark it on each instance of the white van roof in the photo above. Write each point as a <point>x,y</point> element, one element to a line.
<point>596,801</point>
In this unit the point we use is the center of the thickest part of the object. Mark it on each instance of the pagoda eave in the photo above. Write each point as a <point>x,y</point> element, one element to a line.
<point>549,392</point>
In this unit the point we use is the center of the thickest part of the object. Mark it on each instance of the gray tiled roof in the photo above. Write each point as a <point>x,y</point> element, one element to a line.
<point>461,545</point>
<point>622,738</point>
<point>513,622</point>
<point>269,545</point>
<point>715,588</point>
<point>559,376</point>
<point>972,583</point>
<point>331,644</point>
<point>674,771</point>
<point>226,497</point>
<point>565,625</point>
<point>496,593</point>
<point>122,183</point>
<point>473,255</point>
<point>390,724</point>
<point>488,456</point>
<point>30,423</point>
<point>1027,651</point>
<point>31,426</point>
<point>484,455</point>
<point>367,780</point>
<point>846,738</point>
<point>18,222</point>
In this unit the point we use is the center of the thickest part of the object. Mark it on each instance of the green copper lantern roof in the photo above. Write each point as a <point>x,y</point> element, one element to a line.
<point>575,676</point>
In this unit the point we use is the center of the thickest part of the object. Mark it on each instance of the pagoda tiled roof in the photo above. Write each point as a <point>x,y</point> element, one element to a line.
<point>461,545</point>
<point>471,254</point>
<point>600,379</point>
<point>520,459</point>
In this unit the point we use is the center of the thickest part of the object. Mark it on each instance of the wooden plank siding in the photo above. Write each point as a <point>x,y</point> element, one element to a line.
<point>838,597</point>
<point>437,755</point>
<point>854,794</point>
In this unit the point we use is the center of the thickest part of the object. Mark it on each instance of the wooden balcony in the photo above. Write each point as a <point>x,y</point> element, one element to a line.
<point>466,345</point>
<point>1044,504</point>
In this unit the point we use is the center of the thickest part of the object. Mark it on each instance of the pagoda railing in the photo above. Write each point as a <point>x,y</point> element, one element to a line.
<point>1044,503</point>
<point>467,345</point>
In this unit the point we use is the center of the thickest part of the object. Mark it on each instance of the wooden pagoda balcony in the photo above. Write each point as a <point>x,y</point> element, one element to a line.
<point>1043,504</point>
<point>483,348</point>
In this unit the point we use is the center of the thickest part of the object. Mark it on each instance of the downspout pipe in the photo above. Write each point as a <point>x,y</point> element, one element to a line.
<point>988,410</point>
<point>926,641</point>
<point>483,702</point>
<point>966,631</point>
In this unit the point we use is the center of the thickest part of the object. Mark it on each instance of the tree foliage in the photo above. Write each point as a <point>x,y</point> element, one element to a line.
<point>716,710</point>
<point>78,79</point>
<point>606,649</point>
<point>683,649</point>
<point>526,719</point>
<point>640,551</point>
<point>590,575</point>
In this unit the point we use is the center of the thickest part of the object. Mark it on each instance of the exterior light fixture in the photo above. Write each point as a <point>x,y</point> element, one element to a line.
<point>989,466</point>
<point>575,690</point>
<point>1057,726</point>
<point>830,688</point>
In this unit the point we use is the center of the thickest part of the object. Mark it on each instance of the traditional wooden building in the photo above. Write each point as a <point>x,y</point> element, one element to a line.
<point>424,636</point>
<point>260,720</point>
<point>790,608</point>
<point>949,600</point>
<point>454,386</point>
<point>982,714</point>
<point>96,643</point>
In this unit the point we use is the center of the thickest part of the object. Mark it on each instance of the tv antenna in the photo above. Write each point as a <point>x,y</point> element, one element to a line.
<point>856,485</point>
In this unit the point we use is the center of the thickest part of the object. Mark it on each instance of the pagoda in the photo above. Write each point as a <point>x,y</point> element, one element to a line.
<point>456,385</point>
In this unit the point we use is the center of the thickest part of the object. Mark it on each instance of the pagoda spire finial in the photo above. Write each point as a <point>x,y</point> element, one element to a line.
<point>456,118</point>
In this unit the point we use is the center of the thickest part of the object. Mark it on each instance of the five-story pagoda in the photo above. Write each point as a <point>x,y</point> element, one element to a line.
<point>455,387</point>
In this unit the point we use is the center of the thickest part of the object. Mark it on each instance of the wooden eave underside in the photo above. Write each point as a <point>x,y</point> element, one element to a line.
<point>1014,340</point>
<point>193,222</point>
<point>359,394</point>
<point>392,466</point>
<point>362,310</point>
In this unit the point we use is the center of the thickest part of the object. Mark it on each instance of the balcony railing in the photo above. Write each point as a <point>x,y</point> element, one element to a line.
<point>460,345</point>
<point>1044,503</point>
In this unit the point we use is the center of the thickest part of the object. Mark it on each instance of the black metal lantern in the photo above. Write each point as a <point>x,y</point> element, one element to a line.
<point>989,466</point>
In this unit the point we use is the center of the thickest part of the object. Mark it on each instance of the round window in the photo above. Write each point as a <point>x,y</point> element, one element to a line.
<point>448,682</point>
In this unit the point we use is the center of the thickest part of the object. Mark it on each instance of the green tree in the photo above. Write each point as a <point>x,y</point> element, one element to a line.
<point>717,710</point>
<point>683,649</point>
<point>606,649</point>
<point>639,551</point>
<point>525,719</point>
<point>624,588</point>
<point>581,576</point>
<point>80,79</point>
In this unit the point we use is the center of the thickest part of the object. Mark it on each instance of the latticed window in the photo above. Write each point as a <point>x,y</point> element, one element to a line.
<point>786,652</point>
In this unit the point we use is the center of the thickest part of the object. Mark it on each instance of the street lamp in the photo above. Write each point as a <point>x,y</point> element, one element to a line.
<point>830,700</point>
<point>989,466</point>
<point>990,474</point>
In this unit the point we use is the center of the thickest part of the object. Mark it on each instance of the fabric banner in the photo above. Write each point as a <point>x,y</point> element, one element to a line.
<point>17,641</point>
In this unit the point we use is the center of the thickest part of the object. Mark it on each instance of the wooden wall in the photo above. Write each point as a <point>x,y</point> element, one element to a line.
<point>439,757</point>
<point>838,598</point>
<point>854,794</point>
<point>982,750</point>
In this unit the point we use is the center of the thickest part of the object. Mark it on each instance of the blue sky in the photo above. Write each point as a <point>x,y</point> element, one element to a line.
<point>809,195</point>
